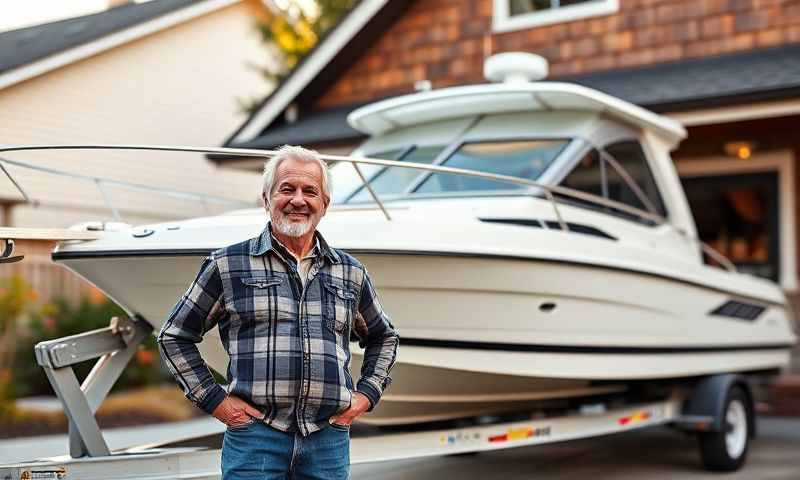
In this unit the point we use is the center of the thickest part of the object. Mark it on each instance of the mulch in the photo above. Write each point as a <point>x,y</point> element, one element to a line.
<point>148,405</point>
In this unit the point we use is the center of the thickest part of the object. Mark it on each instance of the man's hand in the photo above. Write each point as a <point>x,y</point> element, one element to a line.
<point>359,405</point>
<point>235,412</point>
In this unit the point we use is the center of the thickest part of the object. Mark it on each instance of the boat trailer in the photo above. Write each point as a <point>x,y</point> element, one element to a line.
<point>707,410</point>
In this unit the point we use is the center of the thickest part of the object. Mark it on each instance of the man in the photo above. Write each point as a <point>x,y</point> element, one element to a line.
<point>285,304</point>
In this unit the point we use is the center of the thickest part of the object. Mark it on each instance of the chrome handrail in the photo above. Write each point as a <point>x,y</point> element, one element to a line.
<point>242,152</point>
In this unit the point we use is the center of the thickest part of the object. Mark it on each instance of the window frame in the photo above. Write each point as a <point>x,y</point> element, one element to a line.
<point>604,185</point>
<point>449,151</point>
<point>503,21</point>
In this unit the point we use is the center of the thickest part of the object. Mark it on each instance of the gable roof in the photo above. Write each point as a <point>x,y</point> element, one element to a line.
<point>340,48</point>
<point>31,51</point>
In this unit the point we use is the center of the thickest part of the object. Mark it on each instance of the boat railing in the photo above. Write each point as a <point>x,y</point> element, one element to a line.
<point>548,190</point>
<point>102,184</point>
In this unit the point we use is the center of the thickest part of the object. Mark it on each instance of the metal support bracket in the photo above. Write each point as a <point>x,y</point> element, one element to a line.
<point>115,345</point>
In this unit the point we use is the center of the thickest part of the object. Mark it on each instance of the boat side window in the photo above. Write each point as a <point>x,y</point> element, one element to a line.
<point>587,176</point>
<point>346,180</point>
<point>394,181</point>
<point>517,158</point>
<point>597,176</point>
<point>630,156</point>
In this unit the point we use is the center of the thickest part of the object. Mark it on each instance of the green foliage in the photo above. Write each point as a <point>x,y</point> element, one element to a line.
<point>61,319</point>
<point>293,33</point>
<point>16,297</point>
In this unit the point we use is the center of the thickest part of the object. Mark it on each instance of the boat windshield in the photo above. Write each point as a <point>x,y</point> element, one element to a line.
<point>517,158</point>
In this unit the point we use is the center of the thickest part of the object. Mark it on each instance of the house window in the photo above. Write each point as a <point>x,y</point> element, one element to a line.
<point>511,15</point>
<point>738,216</point>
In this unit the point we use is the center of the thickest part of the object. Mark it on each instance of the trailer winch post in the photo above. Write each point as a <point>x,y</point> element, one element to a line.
<point>114,346</point>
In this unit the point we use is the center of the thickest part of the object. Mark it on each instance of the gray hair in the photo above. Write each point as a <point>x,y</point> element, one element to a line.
<point>296,153</point>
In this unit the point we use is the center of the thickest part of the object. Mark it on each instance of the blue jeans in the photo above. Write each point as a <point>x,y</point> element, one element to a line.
<point>259,451</point>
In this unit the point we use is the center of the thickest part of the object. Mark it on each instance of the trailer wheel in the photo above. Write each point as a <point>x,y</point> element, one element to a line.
<point>726,450</point>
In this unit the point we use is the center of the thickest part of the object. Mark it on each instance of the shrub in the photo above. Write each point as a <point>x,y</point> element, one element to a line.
<point>61,319</point>
<point>16,297</point>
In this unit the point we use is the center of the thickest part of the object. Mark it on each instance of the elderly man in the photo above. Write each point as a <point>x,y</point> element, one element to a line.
<point>285,303</point>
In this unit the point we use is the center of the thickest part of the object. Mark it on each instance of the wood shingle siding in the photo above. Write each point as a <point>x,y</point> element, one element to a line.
<point>445,41</point>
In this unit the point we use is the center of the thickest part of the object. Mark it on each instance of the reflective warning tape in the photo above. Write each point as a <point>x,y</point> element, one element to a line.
<point>635,418</point>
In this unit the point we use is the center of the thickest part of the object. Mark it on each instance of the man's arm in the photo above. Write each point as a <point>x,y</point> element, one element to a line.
<point>379,343</point>
<point>198,310</point>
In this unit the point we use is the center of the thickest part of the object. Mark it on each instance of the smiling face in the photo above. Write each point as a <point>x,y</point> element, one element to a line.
<point>296,201</point>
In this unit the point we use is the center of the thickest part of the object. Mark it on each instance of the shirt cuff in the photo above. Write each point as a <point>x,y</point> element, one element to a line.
<point>212,399</point>
<point>372,393</point>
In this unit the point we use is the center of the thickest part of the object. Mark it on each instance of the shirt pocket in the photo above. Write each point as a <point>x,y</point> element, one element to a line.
<point>256,293</point>
<point>340,304</point>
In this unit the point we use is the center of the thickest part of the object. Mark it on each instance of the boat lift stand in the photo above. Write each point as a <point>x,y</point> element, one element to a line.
<point>114,346</point>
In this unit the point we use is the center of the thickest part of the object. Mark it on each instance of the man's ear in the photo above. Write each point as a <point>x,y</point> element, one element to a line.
<point>326,203</point>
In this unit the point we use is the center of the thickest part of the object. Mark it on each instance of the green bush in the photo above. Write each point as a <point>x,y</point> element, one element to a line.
<point>16,298</point>
<point>61,319</point>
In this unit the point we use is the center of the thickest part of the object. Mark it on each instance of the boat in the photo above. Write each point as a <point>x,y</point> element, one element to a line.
<point>530,240</point>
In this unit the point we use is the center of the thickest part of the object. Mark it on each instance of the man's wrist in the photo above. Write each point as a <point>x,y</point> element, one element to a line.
<point>368,391</point>
<point>213,398</point>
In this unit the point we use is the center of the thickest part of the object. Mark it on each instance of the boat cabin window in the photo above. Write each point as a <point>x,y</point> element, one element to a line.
<point>595,175</point>
<point>394,181</point>
<point>632,159</point>
<point>518,158</point>
<point>587,176</point>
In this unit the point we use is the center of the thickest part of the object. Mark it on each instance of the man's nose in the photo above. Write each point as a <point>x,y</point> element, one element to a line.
<point>298,198</point>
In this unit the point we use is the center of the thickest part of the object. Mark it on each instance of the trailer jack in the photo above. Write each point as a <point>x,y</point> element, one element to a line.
<point>113,346</point>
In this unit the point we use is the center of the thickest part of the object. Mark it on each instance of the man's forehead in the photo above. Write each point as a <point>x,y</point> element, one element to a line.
<point>292,169</point>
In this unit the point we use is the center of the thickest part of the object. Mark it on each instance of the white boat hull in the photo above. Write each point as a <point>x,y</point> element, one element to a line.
<point>482,334</point>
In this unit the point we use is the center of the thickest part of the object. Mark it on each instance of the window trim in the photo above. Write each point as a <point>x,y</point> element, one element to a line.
<point>780,161</point>
<point>503,21</point>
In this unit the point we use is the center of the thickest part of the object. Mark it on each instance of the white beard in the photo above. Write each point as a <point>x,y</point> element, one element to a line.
<point>291,229</point>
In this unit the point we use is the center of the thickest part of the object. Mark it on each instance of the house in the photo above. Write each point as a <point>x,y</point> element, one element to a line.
<point>729,70</point>
<point>164,72</point>
<point>161,72</point>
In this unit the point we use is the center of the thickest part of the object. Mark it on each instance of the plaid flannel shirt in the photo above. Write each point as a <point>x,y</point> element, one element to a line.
<point>288,344</point>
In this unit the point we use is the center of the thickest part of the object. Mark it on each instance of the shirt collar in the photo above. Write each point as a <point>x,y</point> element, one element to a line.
<point>265,241</point>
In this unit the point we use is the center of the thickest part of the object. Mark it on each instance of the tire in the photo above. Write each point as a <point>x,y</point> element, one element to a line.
<point>726,451</point>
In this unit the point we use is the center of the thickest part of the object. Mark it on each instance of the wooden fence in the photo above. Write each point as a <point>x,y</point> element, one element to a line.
<point>48,279</point>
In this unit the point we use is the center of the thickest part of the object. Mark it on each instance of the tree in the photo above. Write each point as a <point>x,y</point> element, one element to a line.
<point>292,32</point>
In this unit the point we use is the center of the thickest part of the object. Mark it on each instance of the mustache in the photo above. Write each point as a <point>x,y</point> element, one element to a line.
<point>289,210</point>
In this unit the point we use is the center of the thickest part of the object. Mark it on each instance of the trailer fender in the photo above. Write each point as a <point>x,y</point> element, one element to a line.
<point>704,410</point>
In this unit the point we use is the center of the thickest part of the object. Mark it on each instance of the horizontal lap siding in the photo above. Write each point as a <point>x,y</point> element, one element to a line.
<point>47,279</point>
<point>176,87</point>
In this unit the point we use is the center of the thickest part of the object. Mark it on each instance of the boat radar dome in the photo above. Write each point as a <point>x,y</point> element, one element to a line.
<point>515,67</point>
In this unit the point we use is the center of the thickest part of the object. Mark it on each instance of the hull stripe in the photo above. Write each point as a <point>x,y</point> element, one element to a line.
<point>517,347</point>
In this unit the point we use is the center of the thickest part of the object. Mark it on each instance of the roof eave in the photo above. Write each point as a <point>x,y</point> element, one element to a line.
<point>81,52</point>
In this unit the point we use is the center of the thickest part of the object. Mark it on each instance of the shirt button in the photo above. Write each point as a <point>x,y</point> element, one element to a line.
<point>307,356</point>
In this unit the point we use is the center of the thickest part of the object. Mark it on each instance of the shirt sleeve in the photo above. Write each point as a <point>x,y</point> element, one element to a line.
<point>197,311</point>
<point>380,342</point>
